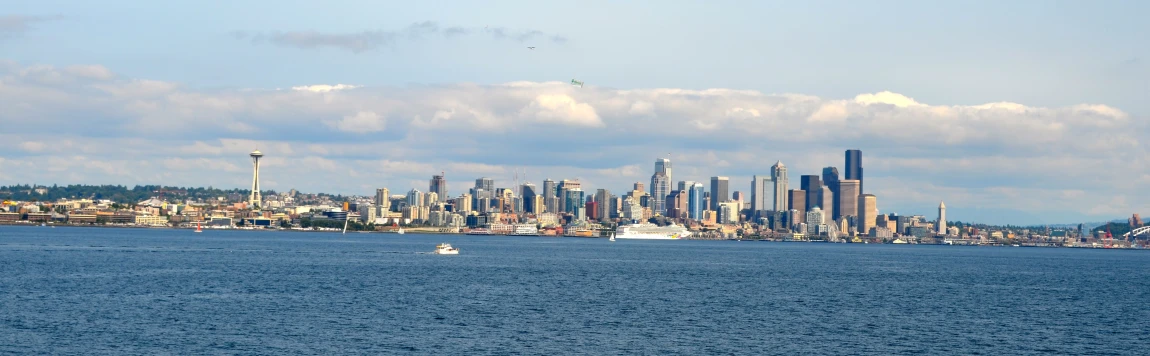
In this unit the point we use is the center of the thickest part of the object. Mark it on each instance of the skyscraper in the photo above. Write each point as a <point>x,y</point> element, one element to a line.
<point>438,185</point>
<point>573,200</point>
<point>255,200</point>
<point>868,212</point>
<point>811,184</point>
<point>827,202</point>
<point>660,188</point>
<point>415,198</point>
<point>663,165</point>
<point>550,196</point>
<point>488,186</point>
<point>381,197</point>
<point>848,198</point>
<point>779,176</point>
<point>719,191</point>
<point>854,169</point>
<point>762,197</point>
<point>639,186</point>
<point>831,180</point>
<point>798,202</point>
<point>686,184</point>
<point>678,205</point>
<point>603,197</point>
<point>695,201</point>
<point>942,218</point>
<point>529,193</point>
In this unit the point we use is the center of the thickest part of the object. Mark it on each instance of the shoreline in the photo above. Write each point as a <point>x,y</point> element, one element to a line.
<point>420,232</point>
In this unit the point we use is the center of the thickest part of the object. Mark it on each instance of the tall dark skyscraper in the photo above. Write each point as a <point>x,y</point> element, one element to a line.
<point>528,192</point>
<point>550,196</point>
<point>813,187</point>
<point>854,169</point>
<point>831,180</point>
<point>439,187</point>
<point>719,191</point>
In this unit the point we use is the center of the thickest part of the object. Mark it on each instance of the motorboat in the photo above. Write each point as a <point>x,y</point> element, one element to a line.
<point>446,249</point>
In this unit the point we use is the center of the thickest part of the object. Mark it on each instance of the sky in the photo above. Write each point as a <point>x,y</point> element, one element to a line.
<point>1023,112</point>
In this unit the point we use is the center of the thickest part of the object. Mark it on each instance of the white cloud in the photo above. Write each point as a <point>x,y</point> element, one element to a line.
<point>324,88</point>
<point>561,109</point>
<point>360,122</point>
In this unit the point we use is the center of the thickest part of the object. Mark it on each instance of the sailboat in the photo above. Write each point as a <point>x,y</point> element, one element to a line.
<point>612,238</point>
<point>198,227</point>
<point>345,220</point>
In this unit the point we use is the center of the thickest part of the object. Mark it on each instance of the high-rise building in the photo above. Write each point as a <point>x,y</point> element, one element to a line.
<point>831,180</point>
<point>762,193</point>
<point>438,185</point>
<point>660,189</point>
<point>868,212</point>
<point>854,169</point>
<point>383,199</point>
<point>430,199</point>
<point>779,176</point>
<point>639,186</point>
<point>797,199</point>
<point>663,165</point>
<point>678,205</point>
<point>848,198</point>
<point>686,184</point>
<point>728,213</point>
<point>529,193</point>
<point>942,218</point>
<point>415,198</point>
<point>573,200</point>
<point>827,202</point>
<point>592,209</point>
<point>695,201</point>
<point>255,200</point>
<point>719,191</point>
<point>488,186</point>
<point>550,196</point>
<point>810,183</point>
<point>739,197</point>
<point>603,197</point>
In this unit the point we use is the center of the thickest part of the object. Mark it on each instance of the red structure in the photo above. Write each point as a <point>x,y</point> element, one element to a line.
<point>592,210</point>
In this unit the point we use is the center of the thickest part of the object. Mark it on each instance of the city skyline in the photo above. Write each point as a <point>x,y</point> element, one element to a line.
<point>363,101</point>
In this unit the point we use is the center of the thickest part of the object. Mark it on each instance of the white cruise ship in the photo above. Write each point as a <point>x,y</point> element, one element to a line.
<point>652,232</point>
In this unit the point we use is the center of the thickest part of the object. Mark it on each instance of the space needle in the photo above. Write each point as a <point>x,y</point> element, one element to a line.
<point>255,200</point>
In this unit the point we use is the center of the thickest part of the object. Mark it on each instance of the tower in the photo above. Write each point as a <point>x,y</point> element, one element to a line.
<point>660,186</point>
<point>761,197</point>
<point>831,180</point>
<point>867,213</point>
<point>719,191</point>
<point>810,183</point>
<point>779,176</point>
<point>854,168</point>
<point>438,185</point>
<point>255,199</point>
<point>941,218</point>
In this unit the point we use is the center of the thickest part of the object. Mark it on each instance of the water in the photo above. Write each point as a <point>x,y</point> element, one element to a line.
<point>137,291</point>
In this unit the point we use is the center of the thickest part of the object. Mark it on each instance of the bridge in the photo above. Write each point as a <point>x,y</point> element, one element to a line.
<point>1137,232</point>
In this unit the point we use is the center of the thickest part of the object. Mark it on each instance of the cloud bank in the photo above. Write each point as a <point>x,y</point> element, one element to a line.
<point>12,25</point>
<point>359,42</point>
<point>86,124</point>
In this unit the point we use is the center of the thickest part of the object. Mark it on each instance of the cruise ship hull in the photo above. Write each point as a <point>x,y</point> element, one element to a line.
<point>647,237</point>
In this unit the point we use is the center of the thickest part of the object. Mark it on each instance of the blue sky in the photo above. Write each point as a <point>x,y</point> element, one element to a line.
<point>200,81</point>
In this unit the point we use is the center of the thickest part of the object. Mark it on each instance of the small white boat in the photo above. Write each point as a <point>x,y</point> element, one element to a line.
<point>400,231</point>
<point>612,239</point>
<point>446,249</point>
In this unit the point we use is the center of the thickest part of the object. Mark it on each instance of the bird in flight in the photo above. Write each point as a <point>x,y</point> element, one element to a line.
<point>531,48</point>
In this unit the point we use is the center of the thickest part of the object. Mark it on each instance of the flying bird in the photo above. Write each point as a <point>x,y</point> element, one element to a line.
<point>531,48</point>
